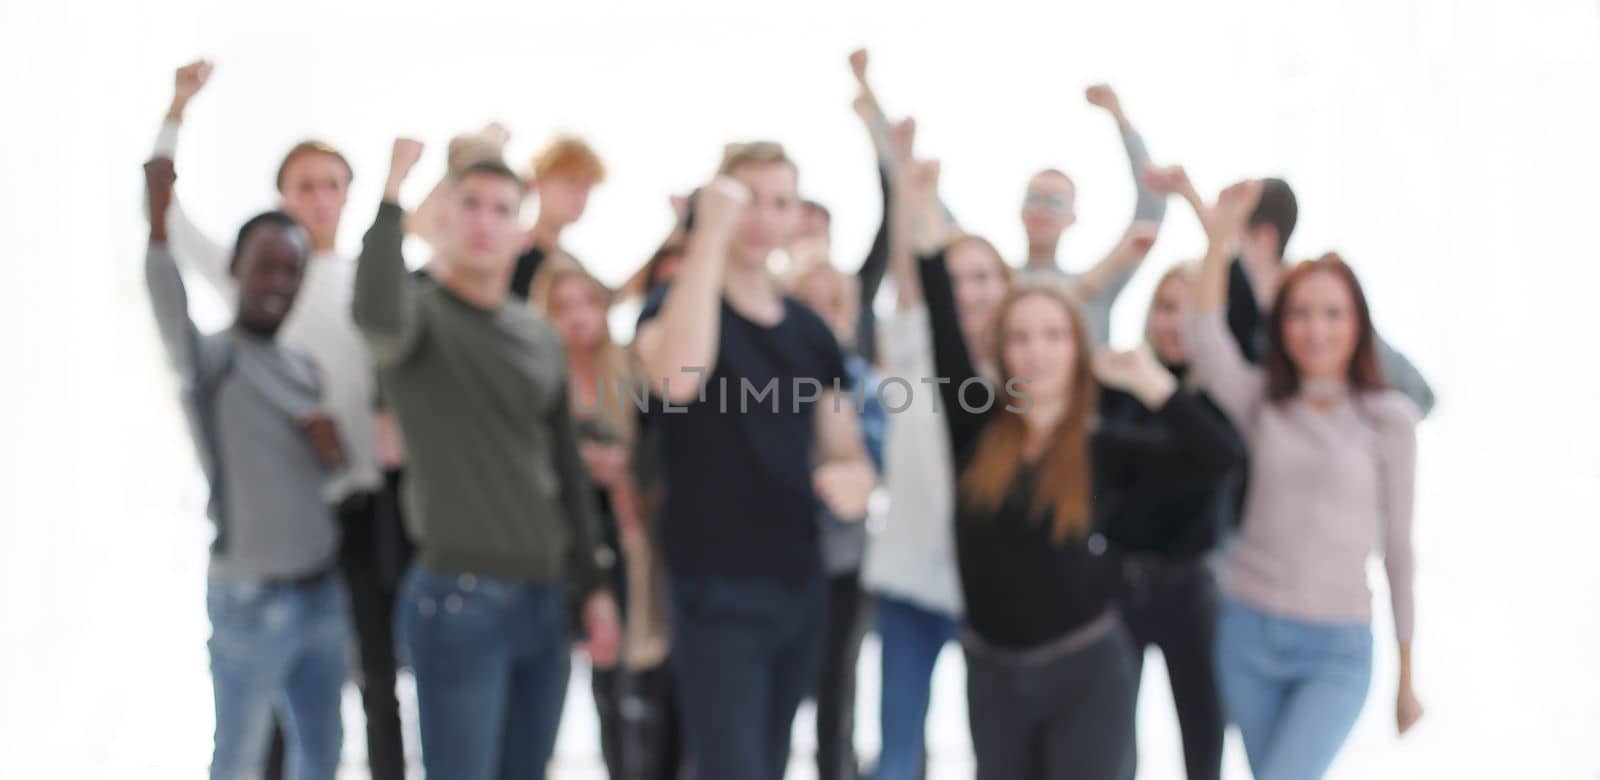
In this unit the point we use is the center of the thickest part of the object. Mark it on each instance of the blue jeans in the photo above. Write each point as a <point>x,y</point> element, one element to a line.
<point>277,647</point>
<point>490,658</point>
<point>1293,688</point>
<point>912,638</point>
<point>744,654</point>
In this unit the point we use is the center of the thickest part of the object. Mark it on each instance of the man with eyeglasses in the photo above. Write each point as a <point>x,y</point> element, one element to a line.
<point>1048,209</point>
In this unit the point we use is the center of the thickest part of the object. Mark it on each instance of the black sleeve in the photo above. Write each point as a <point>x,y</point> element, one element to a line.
<point>527,267</point>
<point>952,365</point>
<point>871,276</point>
<point>1192,439</point>
<point>1244,316</point>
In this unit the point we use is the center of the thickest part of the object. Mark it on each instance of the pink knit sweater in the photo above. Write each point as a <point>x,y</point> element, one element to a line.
<point>1328,487</point>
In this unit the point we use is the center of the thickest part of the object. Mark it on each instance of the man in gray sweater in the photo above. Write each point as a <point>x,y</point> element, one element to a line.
<point>279,615</point>
<point>496,494</point>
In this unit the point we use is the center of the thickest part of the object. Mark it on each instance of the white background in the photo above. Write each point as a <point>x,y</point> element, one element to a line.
<point>1447,149</point>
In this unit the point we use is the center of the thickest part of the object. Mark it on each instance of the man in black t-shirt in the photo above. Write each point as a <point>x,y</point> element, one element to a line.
<point>757,436</point>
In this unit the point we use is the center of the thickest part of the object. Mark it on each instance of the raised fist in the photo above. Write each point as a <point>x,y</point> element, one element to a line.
<point>719,205</point>
<point>858,64</point>
<point>406,153</point>
<point>190,78</point>
<point>1167,180</point>
<point>1104,96</point>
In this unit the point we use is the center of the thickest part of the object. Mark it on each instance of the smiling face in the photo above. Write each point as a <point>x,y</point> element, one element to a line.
<point>1039,345</point>
<point>1320,326</point>
<point>478,228</point>
<point>271,261</point>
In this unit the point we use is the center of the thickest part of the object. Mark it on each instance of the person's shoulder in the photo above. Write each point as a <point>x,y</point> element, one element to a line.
<point>1392,411</point>
<point>517,314</point>
<point>805,319</point>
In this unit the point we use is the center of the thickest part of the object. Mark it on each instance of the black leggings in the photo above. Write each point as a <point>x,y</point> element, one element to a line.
<point>1173,605</point>
<point>1070,716</point>
<point>849,612</point>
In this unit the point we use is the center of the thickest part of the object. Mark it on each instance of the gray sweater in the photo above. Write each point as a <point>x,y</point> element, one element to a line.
<point>243,394</point>
<point>494,484</point>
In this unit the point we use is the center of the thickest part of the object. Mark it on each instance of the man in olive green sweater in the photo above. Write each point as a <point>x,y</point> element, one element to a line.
<point>496,494</point>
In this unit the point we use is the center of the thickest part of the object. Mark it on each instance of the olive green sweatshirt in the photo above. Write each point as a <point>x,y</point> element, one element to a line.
<point>494,483</point>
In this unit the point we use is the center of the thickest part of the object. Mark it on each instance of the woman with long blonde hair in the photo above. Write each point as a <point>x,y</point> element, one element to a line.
<point>604,395</point>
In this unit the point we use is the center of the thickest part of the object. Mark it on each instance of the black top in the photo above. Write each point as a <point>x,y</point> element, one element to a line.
<point>1023,588</point>
<point>739,502</point>
<point>1177,494</point>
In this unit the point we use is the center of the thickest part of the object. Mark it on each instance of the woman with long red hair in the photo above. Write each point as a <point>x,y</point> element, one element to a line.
<point>1050,683</point>
<point>1332,471</point>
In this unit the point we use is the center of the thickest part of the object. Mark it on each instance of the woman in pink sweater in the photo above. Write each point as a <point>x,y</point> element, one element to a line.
<point>1332,470</point>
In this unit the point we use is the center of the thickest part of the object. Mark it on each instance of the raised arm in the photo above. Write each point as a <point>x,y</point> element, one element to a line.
<point>679,345</point>
<point>905,211</point>
<point>885,141</point>
<point>168,299</point>
<point>1151,205</point>
<point>186,240</point>
<point>1219,366</point>
<point>1195,439</point>
<point>964,402</point>
<point>1099,287</point>
<point>466,149</point>
<point>384,303</point>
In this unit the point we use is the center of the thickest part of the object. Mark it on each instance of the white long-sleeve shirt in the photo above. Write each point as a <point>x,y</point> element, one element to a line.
<point>320,325</point>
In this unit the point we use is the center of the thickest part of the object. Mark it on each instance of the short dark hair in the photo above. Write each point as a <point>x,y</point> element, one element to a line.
<point>277,219</point>
<point>1277,208</point>
<point>493,168</point>
<point>811,205</point>
<point>313,146</point>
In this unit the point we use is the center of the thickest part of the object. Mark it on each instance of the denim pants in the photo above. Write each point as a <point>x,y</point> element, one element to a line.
<point>277,647</point>
<point>1293,688</point>
<point>912,638</point>
<point>744,655</point>
<point>490,658</point>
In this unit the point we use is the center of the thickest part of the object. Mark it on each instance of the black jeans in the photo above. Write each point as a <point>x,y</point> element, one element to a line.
<point>1173,605</point>
<point>849,612</point>
<point>744,655</point>
<point>1066,716</point>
